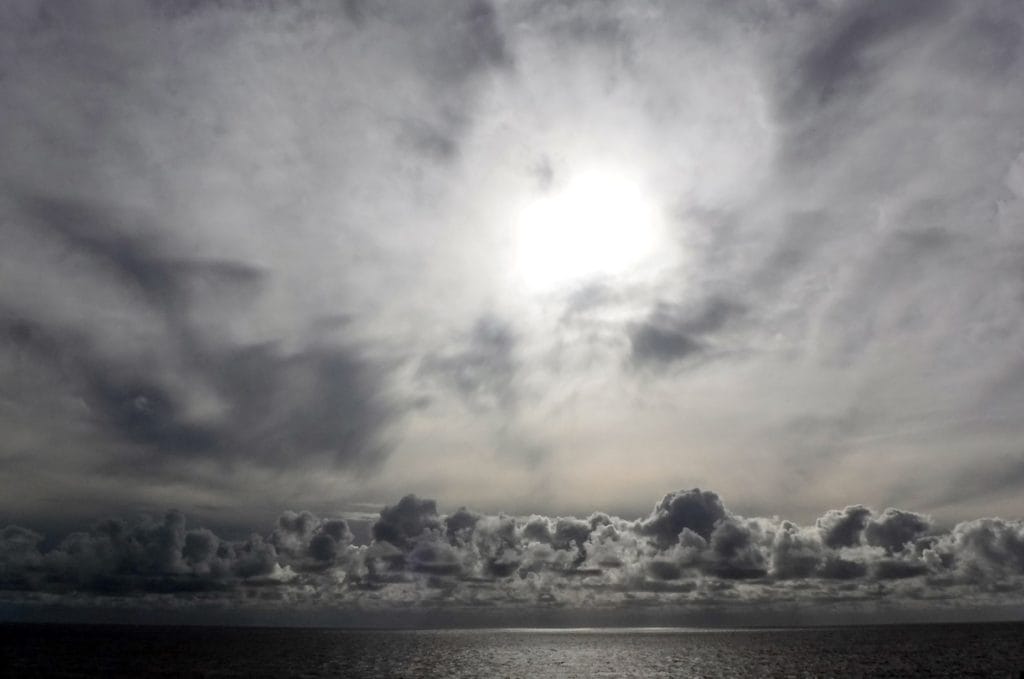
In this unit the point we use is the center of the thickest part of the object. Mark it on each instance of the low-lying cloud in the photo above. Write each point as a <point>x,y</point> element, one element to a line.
<point>690,550</point>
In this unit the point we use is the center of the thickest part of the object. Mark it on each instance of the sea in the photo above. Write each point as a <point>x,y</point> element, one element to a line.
<point>984,650</point>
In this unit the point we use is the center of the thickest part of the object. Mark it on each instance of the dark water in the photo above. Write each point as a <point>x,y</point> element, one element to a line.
<point>895,651</point>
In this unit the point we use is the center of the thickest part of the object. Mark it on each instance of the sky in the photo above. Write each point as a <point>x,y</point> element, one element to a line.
<point>666,309</point>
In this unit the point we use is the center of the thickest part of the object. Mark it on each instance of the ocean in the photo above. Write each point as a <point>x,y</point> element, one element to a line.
<point>989,650</point>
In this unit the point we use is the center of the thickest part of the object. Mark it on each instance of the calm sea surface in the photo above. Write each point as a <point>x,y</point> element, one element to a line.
<point>891,651</point>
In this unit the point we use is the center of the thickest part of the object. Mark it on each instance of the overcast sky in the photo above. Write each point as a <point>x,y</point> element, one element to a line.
<point>535,258</point>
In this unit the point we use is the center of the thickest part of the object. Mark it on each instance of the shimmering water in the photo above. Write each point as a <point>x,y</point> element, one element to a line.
<point>890,651</point>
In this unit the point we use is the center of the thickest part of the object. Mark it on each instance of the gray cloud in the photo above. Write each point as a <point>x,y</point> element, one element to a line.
<point>671,334</point>
<point>839,64</point>
<point>266,405</point>
<point>843,528</point>
<point>419,557</point>
<point>238,241</point>
<point>894,529</point>
<point>409,519</point>
<point>483,371</point>
<point>696,510</point>
<point>320,401</point>
<point>181,340</point>
<point>130,253</point>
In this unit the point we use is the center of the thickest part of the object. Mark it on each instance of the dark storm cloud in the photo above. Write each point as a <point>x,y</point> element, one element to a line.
<point>419,556</point>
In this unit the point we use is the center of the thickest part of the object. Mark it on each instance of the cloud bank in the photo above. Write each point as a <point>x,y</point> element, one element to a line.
<point>690,551</point>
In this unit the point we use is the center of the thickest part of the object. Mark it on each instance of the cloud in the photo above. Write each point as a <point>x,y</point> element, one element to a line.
<point>670,334</point>
<point>734,553</point>
<point>696,510</point>
<point>180,323</point>
<point>118,245</point>
<point>894,530</point>
<point>419,557</point>
<point>410,518</point>
<point>259,401</point>
<point>798,552</point>
<point>651,343</point>
<point>242,241</point>
<point>982,549</point>
<point>843,528</point>
<point>171,387</point>
<point>839,63</point>
<point>482,372</point>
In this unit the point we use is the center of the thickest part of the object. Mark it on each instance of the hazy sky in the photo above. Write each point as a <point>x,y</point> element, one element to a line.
<point>542,258</point>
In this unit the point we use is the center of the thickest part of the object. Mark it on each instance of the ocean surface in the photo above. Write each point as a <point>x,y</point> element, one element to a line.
<point>991,650</point>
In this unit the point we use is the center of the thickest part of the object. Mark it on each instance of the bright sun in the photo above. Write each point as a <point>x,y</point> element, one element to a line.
<point>599,224</point>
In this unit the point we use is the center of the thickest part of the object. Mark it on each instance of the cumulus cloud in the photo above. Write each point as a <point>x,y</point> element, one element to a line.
<point>696,510</point>
<point>843,528</point>
<point>400,524</point>
<point>691,549</point>
<point>894,529</point>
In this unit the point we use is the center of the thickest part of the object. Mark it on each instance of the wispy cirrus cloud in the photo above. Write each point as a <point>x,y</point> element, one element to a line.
<point>258,255</point>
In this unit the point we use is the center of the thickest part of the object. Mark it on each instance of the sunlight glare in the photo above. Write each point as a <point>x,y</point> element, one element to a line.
<point>600,224</point>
